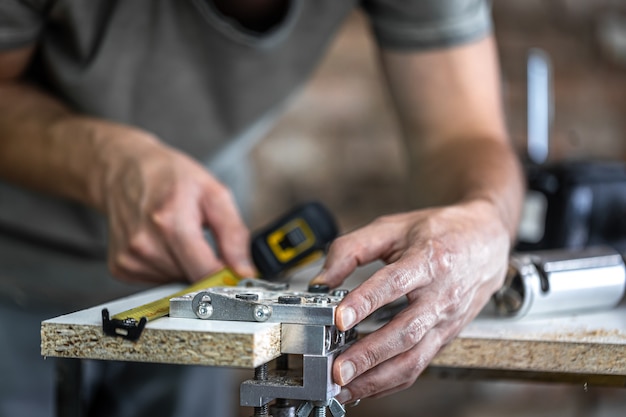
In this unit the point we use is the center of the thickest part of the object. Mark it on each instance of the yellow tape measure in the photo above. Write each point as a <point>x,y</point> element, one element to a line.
<point>130,323</point>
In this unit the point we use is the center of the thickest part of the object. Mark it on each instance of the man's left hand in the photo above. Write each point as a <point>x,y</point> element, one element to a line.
<point>447,261</point>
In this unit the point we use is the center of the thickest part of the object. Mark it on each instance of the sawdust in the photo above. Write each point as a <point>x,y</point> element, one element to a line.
<point>586,336</point>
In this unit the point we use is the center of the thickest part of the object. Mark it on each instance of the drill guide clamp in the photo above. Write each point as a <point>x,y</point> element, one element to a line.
<point>307,328</point>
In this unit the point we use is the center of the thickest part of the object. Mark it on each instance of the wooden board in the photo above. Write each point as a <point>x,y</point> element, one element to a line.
<point>166,340</point>
<point>588,345</point>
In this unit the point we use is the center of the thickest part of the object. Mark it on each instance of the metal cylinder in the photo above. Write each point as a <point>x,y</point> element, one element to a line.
<point>562,281</point>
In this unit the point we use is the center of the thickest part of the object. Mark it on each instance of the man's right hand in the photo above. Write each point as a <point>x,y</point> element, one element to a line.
<point>158,202</point>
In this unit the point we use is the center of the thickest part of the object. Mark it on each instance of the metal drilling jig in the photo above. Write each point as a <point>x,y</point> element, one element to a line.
<point>308,329</point>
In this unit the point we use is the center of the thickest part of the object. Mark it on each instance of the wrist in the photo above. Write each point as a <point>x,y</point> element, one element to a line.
<point>492,215</point>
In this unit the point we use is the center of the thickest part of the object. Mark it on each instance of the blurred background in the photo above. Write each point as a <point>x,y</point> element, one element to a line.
<point>339,142</point>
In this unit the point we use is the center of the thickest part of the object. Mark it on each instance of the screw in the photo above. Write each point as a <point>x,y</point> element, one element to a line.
<point>289,299</point>
<point>262,411</point>
<point>204,309</point>
<point>341,293</point>
<point>247,296</point>
<point>329,338</point>
<point>339,335</point>
<point>322,301</point>
<point>337,409</point>
<point>260,374</point>
<point>262,312</point>
<point>304,409</point>
<point>319,288</point>
<point>320,411</point>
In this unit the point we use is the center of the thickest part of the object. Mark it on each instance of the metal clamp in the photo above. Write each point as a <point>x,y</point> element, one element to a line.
<point>307,328</point>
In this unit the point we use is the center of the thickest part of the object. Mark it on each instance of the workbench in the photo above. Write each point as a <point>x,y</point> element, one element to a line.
<point>587,348</point>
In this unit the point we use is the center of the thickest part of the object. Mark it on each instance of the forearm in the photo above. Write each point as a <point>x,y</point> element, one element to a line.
<point>46,146</point>
<point>466,170</point>
<point>449,106</point>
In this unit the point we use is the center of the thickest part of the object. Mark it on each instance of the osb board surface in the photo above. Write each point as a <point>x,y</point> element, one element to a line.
<point>166,340</point>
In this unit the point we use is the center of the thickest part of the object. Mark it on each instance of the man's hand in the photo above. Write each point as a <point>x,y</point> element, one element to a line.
<point>446,261</point>
<point>158,201</point>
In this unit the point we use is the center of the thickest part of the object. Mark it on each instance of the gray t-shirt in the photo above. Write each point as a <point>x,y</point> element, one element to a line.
<point>187,73</point>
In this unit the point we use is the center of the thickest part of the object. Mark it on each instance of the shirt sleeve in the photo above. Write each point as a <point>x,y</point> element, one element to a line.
<point>422,24</point>
<point>21,22</point>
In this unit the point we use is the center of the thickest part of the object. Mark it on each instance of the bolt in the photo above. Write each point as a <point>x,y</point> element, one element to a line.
<point>282,408</point>
<point>262,312</point>
<point>262,411</point>
<point>319,411</point>
<point>289,299</point>
<point>260,372</point>
<point>247,296</point>
<point>319,288</point>
<point>304,409</point>
<point>204,310</point>
<point>341,293</point>
<point>322,301</point>
<point>337,409</point>
<point>339,335</point>
<point>201,305</point>
<point>329,339</point>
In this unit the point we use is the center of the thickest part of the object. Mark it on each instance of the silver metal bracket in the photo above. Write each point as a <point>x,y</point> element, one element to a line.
<point>257,304</point>
<point>307,328</point>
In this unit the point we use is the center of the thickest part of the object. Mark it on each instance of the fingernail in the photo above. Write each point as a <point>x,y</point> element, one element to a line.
<point>346,371</point>
<point>348,317</point>
<point>319,279</point>
<point>344,396</point>
<point>247,268</point>
<point>246,263</point>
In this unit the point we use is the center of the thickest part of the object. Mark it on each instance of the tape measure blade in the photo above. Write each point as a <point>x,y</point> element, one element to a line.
<point>129,323</point>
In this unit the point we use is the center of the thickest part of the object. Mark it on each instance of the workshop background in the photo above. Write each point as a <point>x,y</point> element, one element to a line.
<point>339,142</point>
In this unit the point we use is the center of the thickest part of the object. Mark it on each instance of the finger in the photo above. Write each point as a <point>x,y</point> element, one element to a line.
<point>195,255</point>
<point>133,251</point>
<point>231,234</point>
<point>400,335</point>
<point>352,250</point>
<point>152,251</point>
<point>183,234</point>
<point>127,267</point>
<point>383,287</point>
<point>396,373</point>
